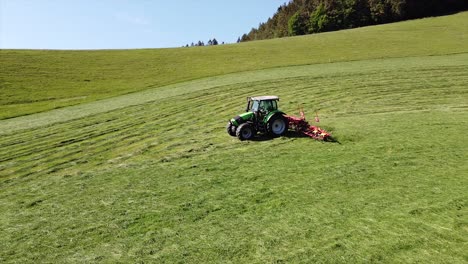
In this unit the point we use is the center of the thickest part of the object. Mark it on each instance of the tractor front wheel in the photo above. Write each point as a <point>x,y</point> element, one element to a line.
<point>277,125</point>
<point>231,129</point>
<point>245,131</point>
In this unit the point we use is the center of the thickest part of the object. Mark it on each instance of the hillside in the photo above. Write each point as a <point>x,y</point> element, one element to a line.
<point>148,173</point>
<point>35,81</point>
<point>302,17</point>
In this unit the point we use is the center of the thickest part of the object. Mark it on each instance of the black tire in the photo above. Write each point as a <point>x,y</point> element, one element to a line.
<point>231,129</point>
<point>245,131</point>
<point>277,125</point>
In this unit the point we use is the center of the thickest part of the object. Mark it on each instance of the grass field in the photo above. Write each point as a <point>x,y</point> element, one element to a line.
<point>152,176</point>
<point>34,81</point>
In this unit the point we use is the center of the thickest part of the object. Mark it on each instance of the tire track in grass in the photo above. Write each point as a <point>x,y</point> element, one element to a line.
<point>63,139</point>
<point>62,144</point>
<point>90,139</point>
<point>92,145</point>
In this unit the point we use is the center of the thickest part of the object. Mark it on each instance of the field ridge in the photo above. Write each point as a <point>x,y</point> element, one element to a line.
<point>34,81</point>
<point>73,112</point>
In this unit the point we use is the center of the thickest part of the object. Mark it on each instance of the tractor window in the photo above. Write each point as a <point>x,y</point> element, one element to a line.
<point>268,105</point>
<point>265,105</point>
<point>254,106</point>
<point>274,105</point>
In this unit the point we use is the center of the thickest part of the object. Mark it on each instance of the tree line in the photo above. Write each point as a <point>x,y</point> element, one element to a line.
<point>210,42</point>
<point>301,17</point>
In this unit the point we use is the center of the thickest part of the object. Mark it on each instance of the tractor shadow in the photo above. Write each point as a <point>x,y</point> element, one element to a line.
<point>289,134</point>
<point>266,137</point>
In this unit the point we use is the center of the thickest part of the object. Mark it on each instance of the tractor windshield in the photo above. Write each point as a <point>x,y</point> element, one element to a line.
<point>254,106</point>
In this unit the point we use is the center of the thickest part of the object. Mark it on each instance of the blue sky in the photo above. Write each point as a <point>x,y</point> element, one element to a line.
<point>125,24</point>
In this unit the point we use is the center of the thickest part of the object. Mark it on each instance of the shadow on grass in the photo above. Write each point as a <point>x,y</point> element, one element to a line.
<point>290,134</point>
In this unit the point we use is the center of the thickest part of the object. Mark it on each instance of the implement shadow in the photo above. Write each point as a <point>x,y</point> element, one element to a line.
<point>290,134</point>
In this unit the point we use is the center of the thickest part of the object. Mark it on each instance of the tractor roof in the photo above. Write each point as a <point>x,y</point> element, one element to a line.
<point>264,98</point>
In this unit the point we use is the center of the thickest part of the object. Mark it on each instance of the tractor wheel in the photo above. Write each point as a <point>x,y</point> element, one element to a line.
<point>245,131</point>
<point>231,129</point>
<point>277,125</point>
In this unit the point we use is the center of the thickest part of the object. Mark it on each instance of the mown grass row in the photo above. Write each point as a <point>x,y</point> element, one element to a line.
<point>162,181</point>
<point>374,198</point>
<point>36,81</point>
<point>188,115</point>
<point>243,79</point>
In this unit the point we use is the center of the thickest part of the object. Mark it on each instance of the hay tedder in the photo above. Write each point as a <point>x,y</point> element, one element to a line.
<point>262,116</point>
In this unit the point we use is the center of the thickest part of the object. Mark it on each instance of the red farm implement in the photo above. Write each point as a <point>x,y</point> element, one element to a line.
<point>300,125</point>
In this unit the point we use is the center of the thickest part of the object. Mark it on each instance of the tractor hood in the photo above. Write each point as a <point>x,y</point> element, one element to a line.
<point>242,118</point>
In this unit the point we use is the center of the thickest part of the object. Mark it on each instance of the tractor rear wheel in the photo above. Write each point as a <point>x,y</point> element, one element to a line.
<point>231,129</point>
<point>245,131</point>
<point>277,125</point>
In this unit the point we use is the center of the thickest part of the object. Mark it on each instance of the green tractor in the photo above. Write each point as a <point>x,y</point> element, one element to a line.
<point>261,116</point>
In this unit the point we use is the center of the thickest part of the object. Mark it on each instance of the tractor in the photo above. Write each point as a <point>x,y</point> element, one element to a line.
<point>261,116</point>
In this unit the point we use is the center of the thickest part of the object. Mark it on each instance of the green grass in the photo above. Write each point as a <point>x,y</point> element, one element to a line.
<point>153,176</point>
<point>35,81</point>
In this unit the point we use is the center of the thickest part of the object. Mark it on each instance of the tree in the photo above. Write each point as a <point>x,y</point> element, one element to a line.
<point>297,24</point>
<point>358,14</point>
<point>253,34</point>
<point>214,42</point>
<point>319,20</point>
<point>297,17</point>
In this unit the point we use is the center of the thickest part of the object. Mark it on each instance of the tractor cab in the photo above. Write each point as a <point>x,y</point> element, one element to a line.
<point>263,104</point>
<point>261,115</point>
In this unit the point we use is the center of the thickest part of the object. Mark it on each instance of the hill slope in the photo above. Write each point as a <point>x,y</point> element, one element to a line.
<point>301,17</point>
<point>35,81</point>
<point>153,177</point>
